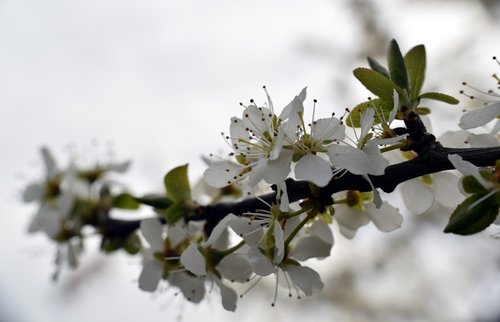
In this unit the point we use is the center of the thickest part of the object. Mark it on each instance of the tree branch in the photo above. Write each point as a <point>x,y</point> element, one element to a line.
<point>434,160</point>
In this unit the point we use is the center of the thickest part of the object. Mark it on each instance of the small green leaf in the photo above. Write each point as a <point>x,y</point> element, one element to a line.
<point>472,185</point>
<point>415,62</point>
<point>177,211</point>
<point>376,83</point>
<point>376,66</point>
<point>382,108</point>
<point>397,67</point>
<point>423,110</point>
<point>474,214</point>
<point>440,97</point>
<point>125,201</point>
<point>111,244</point>
<point>158,202</point>
<point>177,184</point>
<point>132,244</point>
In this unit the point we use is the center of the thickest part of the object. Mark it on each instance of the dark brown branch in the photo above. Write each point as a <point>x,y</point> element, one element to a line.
<point>433,161</point>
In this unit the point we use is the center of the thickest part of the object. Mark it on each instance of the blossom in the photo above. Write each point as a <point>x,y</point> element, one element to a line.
<point>314,242</point>
<point>356,210</point>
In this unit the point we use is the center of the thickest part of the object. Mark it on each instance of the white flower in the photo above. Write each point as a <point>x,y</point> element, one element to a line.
<point>356,211</point>
<point>419,194</point>
<point>479,117</point>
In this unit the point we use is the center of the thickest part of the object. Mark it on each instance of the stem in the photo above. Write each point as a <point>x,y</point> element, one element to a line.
<point>233,249</point>
<point>296,230</point>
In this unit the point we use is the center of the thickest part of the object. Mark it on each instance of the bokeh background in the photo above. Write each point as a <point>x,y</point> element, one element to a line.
<point>157,81</point>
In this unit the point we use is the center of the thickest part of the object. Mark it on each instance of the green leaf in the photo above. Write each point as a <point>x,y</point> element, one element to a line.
<point>177,184</point>
<point>158,202</point>
<point>111,244</point>
<point>132,244</point>
<point>376,83</point>
<point>472,185</point>
<point>397,67</point>
<point>125,201</point>
<point>415,62</point>
<point>382,108</point>
<point>440,97</point>
<point>376,66</point>
<point>423,110</point>
<point>177,211</point>
<point>474,214</point>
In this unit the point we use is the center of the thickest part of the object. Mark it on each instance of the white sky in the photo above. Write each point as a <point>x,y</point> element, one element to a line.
<point>161,79</point>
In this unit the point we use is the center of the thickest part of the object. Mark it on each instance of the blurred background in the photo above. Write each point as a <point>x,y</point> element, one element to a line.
<point>157,81</point>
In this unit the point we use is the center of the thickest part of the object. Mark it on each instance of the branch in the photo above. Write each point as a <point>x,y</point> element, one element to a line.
<point>433,161</point>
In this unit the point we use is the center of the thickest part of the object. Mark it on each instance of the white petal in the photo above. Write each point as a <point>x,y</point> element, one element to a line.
<point>279,243</point>
<point>417,197</point>
<point>314,169</point>
<point>445,186</point>
<point>310,247</point>
<point>480,116</point>
<point>193,260</point>
<point>32,192</point>
<point>386,218</point>
<point>193,288</point>
<point>468,169</point>
<point>323,231</point>
<point>347,233</point>
<point>367,118</point>
<point>219,229</point>
<point>152,230</point>
<point>150,275</point>
<point>49,161</point>
<point>235,267</point>
<point>228,295</point>
<point>294,105</point>
<point>355,161</point>
<point>119,167</point>
<point>271,171</point>
<point>177,233</point>
<point>222,173</point>
<point>454,139</point>
<point>482,140</point>
<point>395,107</point>
<point>247,229</point>
<point>351,218</point>
<point>328,129</point>
<point>305,278</point>
<point>237,132</point>
<point>261,265</point>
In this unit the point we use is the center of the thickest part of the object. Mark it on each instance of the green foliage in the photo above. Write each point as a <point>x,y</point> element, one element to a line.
<point>131,244</point>
<point>397,66</point>
<point>377,83</point>
<point>472,185</point>
<point>440,97</point>
<point>125,201</point>
<point>376,66</point>
<point>157,202</point>
<point>415,61</point>
<point>177,184</point>
<point>474,214</point>
<point>179,192</point>
<point>177,211</point>
<point>405,74</point>
<point>382,108</point>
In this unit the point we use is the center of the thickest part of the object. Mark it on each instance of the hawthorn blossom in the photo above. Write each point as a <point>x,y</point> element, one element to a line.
<point>316,242</point>
<point>356,210</point>
<point>420,194</point>
<point>257,148</point>
<point>210,265</point>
